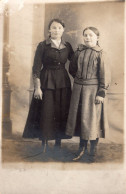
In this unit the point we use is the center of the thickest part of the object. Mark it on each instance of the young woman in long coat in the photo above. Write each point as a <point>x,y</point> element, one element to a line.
<point>50,103</point>
<point>87,114</point>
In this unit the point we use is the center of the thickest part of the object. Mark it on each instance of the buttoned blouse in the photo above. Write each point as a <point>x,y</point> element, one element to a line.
<point>49,64</point>
<point>88,67</point>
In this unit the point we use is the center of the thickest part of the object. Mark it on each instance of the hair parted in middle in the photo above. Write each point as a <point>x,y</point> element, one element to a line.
<point>56,20</point>
<point>93,29</point>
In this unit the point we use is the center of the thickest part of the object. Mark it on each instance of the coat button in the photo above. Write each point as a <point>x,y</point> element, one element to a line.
<point>59,63</point>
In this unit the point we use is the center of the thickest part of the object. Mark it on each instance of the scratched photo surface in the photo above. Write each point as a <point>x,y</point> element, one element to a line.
<point>23,28</point>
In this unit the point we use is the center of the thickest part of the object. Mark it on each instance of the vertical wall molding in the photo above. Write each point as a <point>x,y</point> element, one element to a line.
<point>6,91</point>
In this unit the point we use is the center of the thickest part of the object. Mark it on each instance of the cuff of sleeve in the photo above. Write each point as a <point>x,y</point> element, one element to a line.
<point>101,93</point>
<point>36,76</point>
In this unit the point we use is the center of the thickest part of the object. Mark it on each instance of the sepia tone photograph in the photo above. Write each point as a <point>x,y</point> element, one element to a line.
<point>62,96</point>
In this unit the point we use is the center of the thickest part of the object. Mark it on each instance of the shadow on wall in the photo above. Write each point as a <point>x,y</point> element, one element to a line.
<point>116,118</point>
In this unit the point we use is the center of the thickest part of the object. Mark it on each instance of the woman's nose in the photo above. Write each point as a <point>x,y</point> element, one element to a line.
<point>88,37</point>
<point>56,29</point>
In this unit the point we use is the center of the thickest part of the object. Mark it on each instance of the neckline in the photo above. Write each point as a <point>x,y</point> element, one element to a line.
<point>83,47</point>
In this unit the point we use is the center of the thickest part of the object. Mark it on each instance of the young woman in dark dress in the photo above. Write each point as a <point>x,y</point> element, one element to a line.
<point>52,88</point>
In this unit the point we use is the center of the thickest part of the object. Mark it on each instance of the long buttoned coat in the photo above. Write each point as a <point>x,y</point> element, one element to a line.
<point>47,117</point>
<point>91,78</point>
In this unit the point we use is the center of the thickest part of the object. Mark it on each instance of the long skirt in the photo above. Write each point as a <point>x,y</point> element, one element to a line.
<point>47,117</point>
<point>86,118</point>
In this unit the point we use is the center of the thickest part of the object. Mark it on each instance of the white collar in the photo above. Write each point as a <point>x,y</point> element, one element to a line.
<point>56,42</point>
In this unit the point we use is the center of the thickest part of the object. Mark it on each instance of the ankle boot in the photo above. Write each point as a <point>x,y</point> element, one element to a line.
<point>82,149</point>
<point>97,140</point>
<point>58,143</point>
<point>93,150</point>
<point>93,147</point>
<point>44,145</point>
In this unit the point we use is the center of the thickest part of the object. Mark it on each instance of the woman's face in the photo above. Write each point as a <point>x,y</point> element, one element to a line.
<point>56,30</point>
<point>90,38</point>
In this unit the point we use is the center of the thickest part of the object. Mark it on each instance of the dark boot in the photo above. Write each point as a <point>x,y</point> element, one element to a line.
<point>57,151</point>
<point>44,145</point>
<point>93,149</point>
<point>58,143</point>
<point>97,139</point>
<point>82,150</point>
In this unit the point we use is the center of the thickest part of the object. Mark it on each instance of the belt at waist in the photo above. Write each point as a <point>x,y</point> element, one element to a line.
<point>55,67</point>
<point>86,81</point>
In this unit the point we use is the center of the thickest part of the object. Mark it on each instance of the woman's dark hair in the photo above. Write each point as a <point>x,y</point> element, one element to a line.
<point>56,20</point>
<point>95,30</point>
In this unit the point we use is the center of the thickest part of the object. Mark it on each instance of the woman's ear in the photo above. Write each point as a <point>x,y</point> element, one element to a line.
<point>97,37</point>
<point>49,33</point>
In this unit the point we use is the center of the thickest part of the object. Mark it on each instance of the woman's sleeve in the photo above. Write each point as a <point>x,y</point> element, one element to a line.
<point>37,65</point>
<point>70,51</point>
<point>104,75</point>
<point>73,64</point>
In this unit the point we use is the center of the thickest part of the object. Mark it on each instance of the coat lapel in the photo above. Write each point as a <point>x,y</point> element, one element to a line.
<point>61,46</point>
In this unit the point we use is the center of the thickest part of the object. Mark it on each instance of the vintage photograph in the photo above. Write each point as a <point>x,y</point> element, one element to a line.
<point>63,87</point>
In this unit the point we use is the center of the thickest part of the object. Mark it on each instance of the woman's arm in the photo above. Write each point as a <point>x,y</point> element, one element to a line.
<point>104,76</point>
<point>73,63</point>
<point>74,60</point>
<point>70,50</point>
<point>37,66</point>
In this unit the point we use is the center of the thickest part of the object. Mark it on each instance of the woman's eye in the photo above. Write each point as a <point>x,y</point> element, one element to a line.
<point>53,28</point>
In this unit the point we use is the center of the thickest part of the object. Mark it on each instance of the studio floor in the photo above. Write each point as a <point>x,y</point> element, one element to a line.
<point>16,150</point>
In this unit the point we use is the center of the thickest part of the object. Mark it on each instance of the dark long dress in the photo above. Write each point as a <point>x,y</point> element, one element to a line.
<point>47,117</point>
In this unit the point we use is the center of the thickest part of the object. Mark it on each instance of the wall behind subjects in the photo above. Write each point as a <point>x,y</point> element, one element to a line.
<point>108,17</point>
<point>26,30</point>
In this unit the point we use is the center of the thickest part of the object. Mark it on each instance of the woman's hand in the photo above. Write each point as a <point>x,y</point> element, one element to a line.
<point>38,93</point>
<point>99,100</point>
